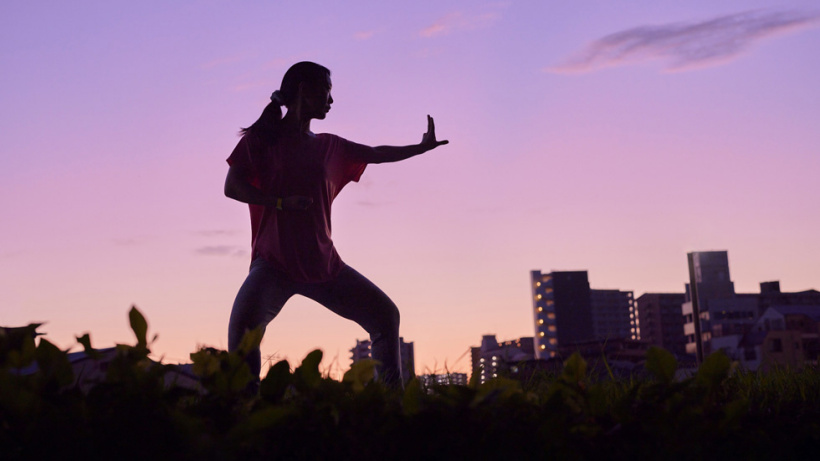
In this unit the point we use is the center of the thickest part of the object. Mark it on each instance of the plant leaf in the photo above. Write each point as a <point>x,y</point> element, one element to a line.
<point>139,325</point>
<point>276,382</point>
<point>661,363</point>
<point>309,370</point>
<point>85,340</point>
<point>360,373</point>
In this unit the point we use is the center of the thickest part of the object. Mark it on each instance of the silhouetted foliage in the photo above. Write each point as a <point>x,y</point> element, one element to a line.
<point>133,412</point>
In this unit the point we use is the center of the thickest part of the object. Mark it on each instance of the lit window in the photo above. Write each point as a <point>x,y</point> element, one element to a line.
<point>551,327</point>
<point>551,315</point>
<point>553,341</point>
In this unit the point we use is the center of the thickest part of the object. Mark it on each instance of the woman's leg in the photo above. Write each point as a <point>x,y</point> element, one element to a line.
<point>354,297</point>
<point>259,300</point>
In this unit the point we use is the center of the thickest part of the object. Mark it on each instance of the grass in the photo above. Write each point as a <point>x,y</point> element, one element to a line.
<point>718,413</point>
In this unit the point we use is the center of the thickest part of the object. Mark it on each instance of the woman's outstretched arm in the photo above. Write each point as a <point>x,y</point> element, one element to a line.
<point>386,154</point>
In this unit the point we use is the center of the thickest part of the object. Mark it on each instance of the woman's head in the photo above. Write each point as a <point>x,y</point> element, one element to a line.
<point>302,77</point>
<point>306,88</point>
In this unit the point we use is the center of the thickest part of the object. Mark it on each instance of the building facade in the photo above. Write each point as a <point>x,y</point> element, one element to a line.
<point>661,320</point>
<point>562,310</point>
<point>492,359</point>
<point>783,336</point>
<point>730,321</point>
<point>443,379</point>
<point>614,315</point>
<point>715,293</point>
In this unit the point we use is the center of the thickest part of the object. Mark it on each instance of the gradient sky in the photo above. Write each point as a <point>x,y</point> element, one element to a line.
<point>605,136</point>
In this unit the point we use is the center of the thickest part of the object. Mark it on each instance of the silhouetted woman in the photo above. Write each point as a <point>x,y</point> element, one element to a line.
<point>289,177</point>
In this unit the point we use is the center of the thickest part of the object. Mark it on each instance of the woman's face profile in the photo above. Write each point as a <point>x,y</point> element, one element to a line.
<point>317,99</point>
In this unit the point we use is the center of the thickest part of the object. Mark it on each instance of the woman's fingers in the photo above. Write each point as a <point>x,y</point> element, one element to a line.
<point>430,136</point>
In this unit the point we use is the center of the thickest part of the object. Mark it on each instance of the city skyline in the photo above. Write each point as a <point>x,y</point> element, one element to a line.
<point>608,138</point>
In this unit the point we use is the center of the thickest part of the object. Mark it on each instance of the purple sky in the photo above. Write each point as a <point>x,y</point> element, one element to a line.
<point>612,137</point>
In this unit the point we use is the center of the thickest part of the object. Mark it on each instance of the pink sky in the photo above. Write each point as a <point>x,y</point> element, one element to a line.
<point>611,137</point>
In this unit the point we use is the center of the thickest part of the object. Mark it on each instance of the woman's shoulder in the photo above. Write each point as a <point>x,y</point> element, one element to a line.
<point>331,140</point>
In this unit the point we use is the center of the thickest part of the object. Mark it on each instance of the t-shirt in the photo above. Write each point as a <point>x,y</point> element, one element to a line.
<point>298,242</point>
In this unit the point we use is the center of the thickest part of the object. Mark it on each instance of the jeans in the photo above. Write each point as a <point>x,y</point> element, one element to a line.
<point>350,295</point>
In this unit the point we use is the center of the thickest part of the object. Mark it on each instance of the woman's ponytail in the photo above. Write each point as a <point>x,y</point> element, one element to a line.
<point>266,126</point>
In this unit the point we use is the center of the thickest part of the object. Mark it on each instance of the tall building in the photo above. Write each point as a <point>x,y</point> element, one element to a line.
<point>408,360</point>
<point>722,312</point>
<point>567,311</point>
<point>562,310</point>
<point>614,315</point>
<point>661,320</point>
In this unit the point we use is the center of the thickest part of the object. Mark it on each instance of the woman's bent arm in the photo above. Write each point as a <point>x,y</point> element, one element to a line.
<point>238,188</point>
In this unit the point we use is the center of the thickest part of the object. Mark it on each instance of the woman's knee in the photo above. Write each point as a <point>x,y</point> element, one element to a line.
<point>389,316</point>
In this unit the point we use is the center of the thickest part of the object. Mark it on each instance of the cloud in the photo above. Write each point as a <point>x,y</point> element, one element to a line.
<point>216,233</point>
<point>131,241</point>
<point>458,21</point>
<point>11,254</point>
<point>372,204</point>
<point>364,35</point>
<point>687,45</point>
<point>221,250</point>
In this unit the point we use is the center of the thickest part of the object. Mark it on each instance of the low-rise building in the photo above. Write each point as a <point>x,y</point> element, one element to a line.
<point>492,358</point>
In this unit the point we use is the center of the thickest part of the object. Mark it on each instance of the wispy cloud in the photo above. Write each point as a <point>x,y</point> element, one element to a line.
<point>364,34</point>
<point>216,233</point>
<point>11,254</point>
<point>687,45</point>
<point>221,250</point>
<point>372,204</point>
<point>459,21</point>
<point>132,241</point>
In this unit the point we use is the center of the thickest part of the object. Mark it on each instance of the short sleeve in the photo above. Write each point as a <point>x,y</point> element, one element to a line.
<point>241,155</point>
<point>351,154</point>
<point>241,158</point>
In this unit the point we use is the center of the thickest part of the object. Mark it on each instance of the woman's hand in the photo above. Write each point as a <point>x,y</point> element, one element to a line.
<point>428,140</point>
<point>296,203</point>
